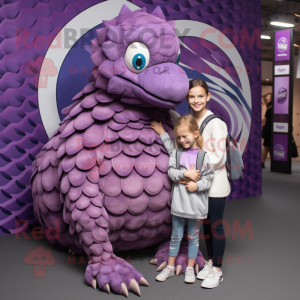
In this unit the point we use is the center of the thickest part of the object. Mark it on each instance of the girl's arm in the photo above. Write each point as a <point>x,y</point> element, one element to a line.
<point>164,136</point>
<point>207,175</point>
<point>174,174</point>
<point>168,142</point>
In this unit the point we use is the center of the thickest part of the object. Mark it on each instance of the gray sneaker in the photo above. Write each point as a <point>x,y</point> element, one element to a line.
<point>205,271</point>
<point>189,276</point>
<point>164,274</point>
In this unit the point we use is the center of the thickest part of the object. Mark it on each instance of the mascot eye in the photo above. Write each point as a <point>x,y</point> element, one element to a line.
<point>137,57</point>
<point>178,56</point>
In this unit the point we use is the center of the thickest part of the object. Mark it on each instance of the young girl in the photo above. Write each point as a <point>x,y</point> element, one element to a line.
<point>214,137</point>
<point>189,201</point>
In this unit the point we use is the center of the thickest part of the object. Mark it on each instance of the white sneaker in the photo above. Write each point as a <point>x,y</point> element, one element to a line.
<point>189,276</point>
<point>213,279</point>
<point>164,274</point>
<point>205,271</point>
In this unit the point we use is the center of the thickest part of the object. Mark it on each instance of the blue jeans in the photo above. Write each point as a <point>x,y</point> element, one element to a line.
<point>177,234</point>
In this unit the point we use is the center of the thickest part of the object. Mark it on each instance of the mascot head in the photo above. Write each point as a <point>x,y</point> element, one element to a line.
<point>136,56</point>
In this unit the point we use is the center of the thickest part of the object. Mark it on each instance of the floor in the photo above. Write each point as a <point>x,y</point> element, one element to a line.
<point>262,265</point>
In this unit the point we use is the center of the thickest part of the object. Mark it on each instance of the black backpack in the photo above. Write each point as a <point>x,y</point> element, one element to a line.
<point>234,161</point>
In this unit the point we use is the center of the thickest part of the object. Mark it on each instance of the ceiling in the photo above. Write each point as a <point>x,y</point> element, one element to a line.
<point>277,10</point>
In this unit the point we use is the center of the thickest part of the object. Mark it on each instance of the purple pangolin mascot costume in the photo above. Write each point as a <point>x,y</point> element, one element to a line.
<point>101,180</point>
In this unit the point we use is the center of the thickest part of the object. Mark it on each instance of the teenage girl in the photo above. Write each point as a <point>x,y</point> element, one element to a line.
<point>214,143</point>
<point>189,201</point>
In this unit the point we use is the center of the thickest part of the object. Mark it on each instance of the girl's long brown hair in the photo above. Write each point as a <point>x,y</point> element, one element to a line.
<point>190,121</point>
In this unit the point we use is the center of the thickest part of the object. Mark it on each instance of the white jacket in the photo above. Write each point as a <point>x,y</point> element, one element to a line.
<point>214,143</point>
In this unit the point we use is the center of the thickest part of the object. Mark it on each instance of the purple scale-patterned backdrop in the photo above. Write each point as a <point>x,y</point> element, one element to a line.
<point>27,29</point>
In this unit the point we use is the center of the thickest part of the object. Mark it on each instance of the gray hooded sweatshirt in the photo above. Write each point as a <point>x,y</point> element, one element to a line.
<point>191,205</point>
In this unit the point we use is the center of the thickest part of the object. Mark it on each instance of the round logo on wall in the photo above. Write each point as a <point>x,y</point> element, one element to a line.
<point>281,95</point>
<point>282,44</point>
<point>279,151</point>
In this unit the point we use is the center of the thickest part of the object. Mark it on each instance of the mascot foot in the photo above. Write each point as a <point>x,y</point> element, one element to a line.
<point>161,258</point>
<point>114,274</point>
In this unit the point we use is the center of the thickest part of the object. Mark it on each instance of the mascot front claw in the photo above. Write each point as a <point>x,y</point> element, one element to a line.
<point>114,273</point>
<point>105,269</point>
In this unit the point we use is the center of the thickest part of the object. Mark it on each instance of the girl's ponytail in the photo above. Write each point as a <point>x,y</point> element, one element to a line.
<point>199,141</point>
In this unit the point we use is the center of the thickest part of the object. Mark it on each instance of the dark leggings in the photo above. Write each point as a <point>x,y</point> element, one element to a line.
<point>214,232</point>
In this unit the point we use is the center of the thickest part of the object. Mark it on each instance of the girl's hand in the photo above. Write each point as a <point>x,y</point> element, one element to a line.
<point>184,181</point>
<point>191,186</point>
<point>157,126</point>
<point>192,174</point>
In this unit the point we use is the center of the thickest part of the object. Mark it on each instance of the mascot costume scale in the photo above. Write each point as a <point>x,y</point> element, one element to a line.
<point>102,177</point>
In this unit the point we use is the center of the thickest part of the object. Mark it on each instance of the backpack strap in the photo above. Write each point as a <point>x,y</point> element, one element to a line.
<point>200,159</point>
<point>178,156</point>
<point>206,120</point>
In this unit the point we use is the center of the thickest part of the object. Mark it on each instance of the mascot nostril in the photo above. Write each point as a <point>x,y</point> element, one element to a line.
<point>101,180</point>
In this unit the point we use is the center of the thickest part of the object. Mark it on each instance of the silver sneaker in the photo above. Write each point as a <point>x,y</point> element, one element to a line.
<point>164,274</point>
<point>205,271</point>
<point>189,276</point>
